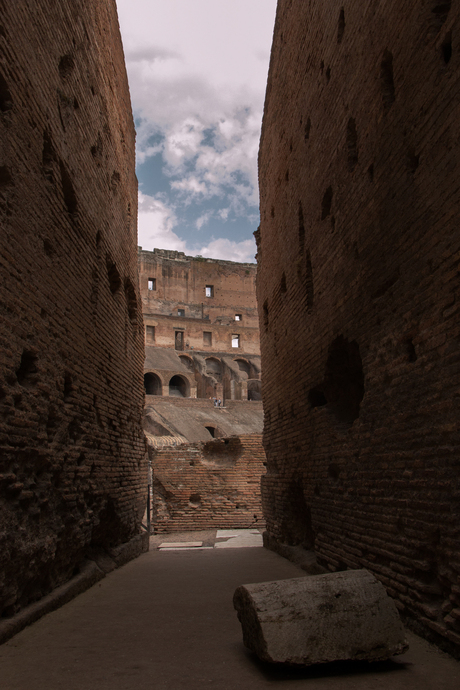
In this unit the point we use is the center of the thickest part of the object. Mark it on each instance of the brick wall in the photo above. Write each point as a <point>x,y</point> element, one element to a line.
<point>359,295</point>
<point>71,444</point>
<point>213,485</point>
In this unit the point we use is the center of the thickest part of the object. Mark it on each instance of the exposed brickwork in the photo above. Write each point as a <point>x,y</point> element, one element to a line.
<point>72,469</point>
<point>209,485</point>
<point>359,291</point>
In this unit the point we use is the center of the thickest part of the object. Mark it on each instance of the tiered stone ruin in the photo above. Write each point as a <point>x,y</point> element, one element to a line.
<point>72,471</point>
<point>202,345</point>
<point>358,288</point>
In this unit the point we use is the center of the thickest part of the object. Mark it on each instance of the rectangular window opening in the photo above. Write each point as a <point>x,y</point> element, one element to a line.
<point>238,317</point>
<point>209,290</point>
<point>179,340</point>
<point>181,312</point>
<point>207,338</point>
<point>152,283</point>
<point>235,340</point>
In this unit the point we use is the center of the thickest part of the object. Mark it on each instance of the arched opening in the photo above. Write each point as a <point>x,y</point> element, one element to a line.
<point>212,430</point>
<point>244,367</point>
<point>178,387</point>
<point>187,362</point>
<point>214,368</point>
<point>254,389</point>
<point>152,384</point>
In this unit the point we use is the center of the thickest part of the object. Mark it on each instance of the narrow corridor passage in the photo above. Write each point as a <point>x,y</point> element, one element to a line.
<point>165,621</point>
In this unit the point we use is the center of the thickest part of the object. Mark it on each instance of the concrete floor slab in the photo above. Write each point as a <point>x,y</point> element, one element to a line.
<point>165,621</point>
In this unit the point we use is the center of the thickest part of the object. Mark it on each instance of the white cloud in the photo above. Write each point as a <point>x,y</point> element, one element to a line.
<point>223,248</point>
<point>196,66</point>
<point>156,228</point>
<point>155,225</point>
<point>203,219</point>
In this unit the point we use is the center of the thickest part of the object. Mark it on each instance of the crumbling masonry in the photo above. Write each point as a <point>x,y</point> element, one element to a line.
<point>359,293</point>
<point>72,470</point>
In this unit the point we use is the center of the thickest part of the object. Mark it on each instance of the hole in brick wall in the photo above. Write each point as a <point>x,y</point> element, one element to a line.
<point>283,286</point>
<point>309,281</point>
<point>387,81</point>
<point>81,459</point>
<point>446,48</point>
<point>98,238</point>
<point>48,247</point>
<point>272,212</point>
<point>2,31</point>
<point>326,204</point>
<point>265,314</point>
<point>344,380</point>
<point>113,276</point>
<point>333,471</point>
<point>131,301</point>
<point>440,12</point>
<point>321,66</point>
<point>195,500</point>
<point>115,181</point>
<point>222,450</point>
<point>370,172</point>
<point>412,160</point>
<point>316,398</point>
<point>410,351</point>
<point>332,223</point>
<point>48,156</point>
<point>97,149</point>
<point>301,229</point>
<point>211,430</point>
<point>328,74</point>
<point>27,370</point>
<point>66,66</point>
<point>68,191</point>
<point>6,101</point>
<point>76,105</point>
<point>352,144</point>
<point>307,129</point>
<point>5,176</point>
<point>341,26</point>
<point>67,384</point>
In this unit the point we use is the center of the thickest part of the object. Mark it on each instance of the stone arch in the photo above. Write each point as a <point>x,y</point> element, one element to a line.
<point>244,367</point>
<point>152,384</point>
<point>187,361</point>
<point>254,389</point>
<point>179,386</point>
<point>214,367</point>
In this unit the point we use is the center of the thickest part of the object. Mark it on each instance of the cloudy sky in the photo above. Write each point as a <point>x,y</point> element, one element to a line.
<point>197,71</point>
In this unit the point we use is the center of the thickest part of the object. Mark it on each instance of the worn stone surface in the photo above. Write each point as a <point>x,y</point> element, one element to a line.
<point>318,619</point>
<point>72,471</point>
<point>359,295</point>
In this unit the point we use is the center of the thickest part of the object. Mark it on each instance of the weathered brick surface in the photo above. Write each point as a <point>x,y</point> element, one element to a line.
<point>358,288</point>
<point>209,485</point>
<point>71,352</point>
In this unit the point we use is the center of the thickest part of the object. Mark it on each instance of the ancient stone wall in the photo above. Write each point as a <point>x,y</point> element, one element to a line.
<point>213,485</point>
<point>359,295</point>
<point>193,303</point>
<point>72,470</point>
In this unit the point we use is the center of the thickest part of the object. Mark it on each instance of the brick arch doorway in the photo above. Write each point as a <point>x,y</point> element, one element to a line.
<point>179,387</point>
<point>152,384</point>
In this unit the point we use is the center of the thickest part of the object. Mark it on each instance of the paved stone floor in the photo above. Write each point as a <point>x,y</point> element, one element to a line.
<point>165,622</point>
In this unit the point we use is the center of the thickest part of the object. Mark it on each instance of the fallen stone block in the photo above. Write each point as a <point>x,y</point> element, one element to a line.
<point>315,620</point>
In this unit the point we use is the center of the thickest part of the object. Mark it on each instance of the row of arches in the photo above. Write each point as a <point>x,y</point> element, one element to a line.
<point>178,386</point>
